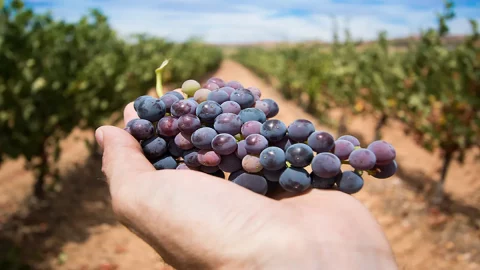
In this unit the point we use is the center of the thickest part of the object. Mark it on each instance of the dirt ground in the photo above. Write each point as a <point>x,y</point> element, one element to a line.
<point>76,229</point>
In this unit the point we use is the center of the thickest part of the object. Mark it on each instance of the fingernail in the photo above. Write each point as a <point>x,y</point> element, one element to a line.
<point>99,137</point>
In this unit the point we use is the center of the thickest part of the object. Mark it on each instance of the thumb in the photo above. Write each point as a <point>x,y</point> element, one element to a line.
<point>122,154</point>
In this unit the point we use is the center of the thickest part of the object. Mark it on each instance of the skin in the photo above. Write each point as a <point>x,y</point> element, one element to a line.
<point>196,221</point>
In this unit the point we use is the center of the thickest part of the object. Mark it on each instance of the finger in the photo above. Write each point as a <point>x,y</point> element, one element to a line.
<point>122,155</point>
<point>129,113</point>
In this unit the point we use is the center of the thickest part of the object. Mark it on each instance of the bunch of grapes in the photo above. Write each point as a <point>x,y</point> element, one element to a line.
<point>223,127</point>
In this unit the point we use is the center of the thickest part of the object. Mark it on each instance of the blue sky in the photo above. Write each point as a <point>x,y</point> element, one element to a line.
<point>245,21</point>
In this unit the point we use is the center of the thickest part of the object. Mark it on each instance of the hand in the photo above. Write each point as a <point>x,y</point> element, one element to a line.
<point>196,221</point>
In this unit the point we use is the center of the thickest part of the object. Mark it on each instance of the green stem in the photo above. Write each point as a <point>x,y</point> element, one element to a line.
<point>345,162</point>
<point>158,72</point>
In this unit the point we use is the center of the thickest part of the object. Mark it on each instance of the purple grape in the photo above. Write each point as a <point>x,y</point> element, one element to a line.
<point>182,107</point>
<point>384,152</point>
<point>211,86</point>
<point>231,107</point>
<point>140,100</point>
<point>189,123</point>
<point>209,169</point>
<point>141,129</point>
<point>165,162</point>
<point>299,155</point>
<point>202,138</point>
<point>208,158</point>
<point>151,109</point>
<point>252,114</point>
<point>256,92</point>
<point>324,183</point>
<point>208,110</point>
<point>230,163</point>
<point>235,174</point>
<point>241,151</point>
<point>362,159</point>
<point>250,127</point>
<point>255,144</point>
<point>272,158</point>
<point>385,171</point>
<point>218,96</point>
<point>326,165</point>
<point>350,182</point>
<point>190,158</point>
<point>216,81</point>
<point>283,143</point>
<point>175,93</point>
<point>273,106</point>
<point>253,182</point>
<point>300,130</point>
<point>321,141</point>
<point>263,106</point>
<point>184,166</point>
<point>228,123</point>
<point>243,97</point>
<point>168,126</point>
<point>343,149</point>
<point>174,150</point>
<point>251,164</point>
<point>224,144</point>
<point>229,90</point>
<point>351,139</point>
<point>154,147</point>
<point>235,85</point>
<point>274,130</point>
<point>183,141</point>
<point>273,176</point>
<point>295,180</point>
<point>169,100</point>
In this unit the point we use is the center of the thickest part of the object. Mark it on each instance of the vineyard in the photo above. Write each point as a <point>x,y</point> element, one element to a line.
<point>60,80</point>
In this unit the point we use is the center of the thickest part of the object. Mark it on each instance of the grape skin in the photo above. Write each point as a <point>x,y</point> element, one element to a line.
<point>184,166</point>
<point>324,183</point>
<point>190,86</point>
<point>224,144</point>
<point>219,174</point>
<point>228,123</point>
<point>351,139</point>
<point>234,84</point>
<point>350,182</point>
<point>252,114</point>
<point>256,92</point>
<point>140,100</point>
<point>295,180</point>
<point>263,106</point>
<point>250,127</point>
<point>152,109</point>
<point>216,81</point>
<point>190,158</point>
<point>207,111</point>
<point>300,130</point>
<point>182,107</point>
<point>255,144</point>
<point>177,94</point>
<point>241,151</point>
<point>274,130</point>
<point>235,174</point>
<point>218,96</point>
<point>168,126</point>
<point>174,150</point>
<point>183,141</point>
<point>209,169</point>
<point>299,155</point>
<point>243,97</point>
<point>253,182</point>
<point>321,141</point>
<point>208,158</point>
<point>231,107</point>
<point>154,147</point>
<point>384,152</point>
<point>385,171</point>
<point>141,129</point>
<point>326,165</point>
<point>283,143</point>
<point>273,176</point>
<point>343,149</point>
<point>272,158</point>
<point>362,159</point>
<point>201,95</point>
<point>273,106</point>
<point>202,138</point>
<point>165,162</point>
<point>168,100</point>
<point>251,164</point>
<point>189,123</point>
<point>230,163</point>
<point>229,90</point>
<point>211,86</point>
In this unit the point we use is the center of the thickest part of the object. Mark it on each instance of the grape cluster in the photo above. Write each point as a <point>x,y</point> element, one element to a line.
<point>223,127</point>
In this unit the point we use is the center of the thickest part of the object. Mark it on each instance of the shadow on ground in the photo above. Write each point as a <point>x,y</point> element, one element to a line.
<point>36,234</point>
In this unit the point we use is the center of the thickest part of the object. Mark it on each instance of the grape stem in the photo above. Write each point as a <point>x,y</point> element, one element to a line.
<point>158,73</point>
<point>346,162</point>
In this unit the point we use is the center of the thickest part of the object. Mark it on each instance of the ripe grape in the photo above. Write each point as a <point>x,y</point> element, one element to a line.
<point>152,109</point>
<point>207,111</point>
<point>218,96</point>
<point>211,86</point>
<point>228,123</point>
<point>251,164</point>
<point>168,126</point>
<point>362,159</point>
<point>321,141</point>
<point>274,130</point>
<point>253,182</point>
<point>183,141</point>
<point>139,101</point>
<point>324,183</point>
<point>351,139</point>
<point>252,114</point>
<point>283,143</point>
<point>190,86</point>
<point>229,90</point>
<point>190,158</point>
<point>273,176</point>
<point>202,138</point>
<point>177,94</point>
<point>189,123</point>
<point>243,97</point>
<point>235,174</point>
<point>154,147</point>
<point>250,127</point>
<point>230,163</point>
<point>235,85</point>
<point>273,106</point>
<point>182,107</point>
<point>273,158</point>
<point>208,158</point>
<point>350,182</point>
<point>141,129</point>
<point>165,162</point>
<point>241,151</point>
<point>263,106</point>
<point>343,149</point>
<point>224,144</point>
<point>231,107</point>
<point>385,171</point>
<point>201,95</point>
<point>209,169</point>
<point>300,129</point>
<point>299,155</point>
<point>184,166</point>
<point>174,150</point>
<point>216,81</point>
<point>256,92</point>
<point>326,165</point>
<point>384,152</point>
<point>295,180</point>
<point>169,100</point>
<point>255,144</point>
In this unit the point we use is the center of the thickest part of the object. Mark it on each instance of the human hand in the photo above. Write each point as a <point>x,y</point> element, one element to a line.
<point>197,221</point>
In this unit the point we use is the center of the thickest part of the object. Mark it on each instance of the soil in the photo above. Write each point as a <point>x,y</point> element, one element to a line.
<point>75,228</point>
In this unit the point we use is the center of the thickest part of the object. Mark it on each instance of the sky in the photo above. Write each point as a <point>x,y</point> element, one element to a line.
<point>249,21</point>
